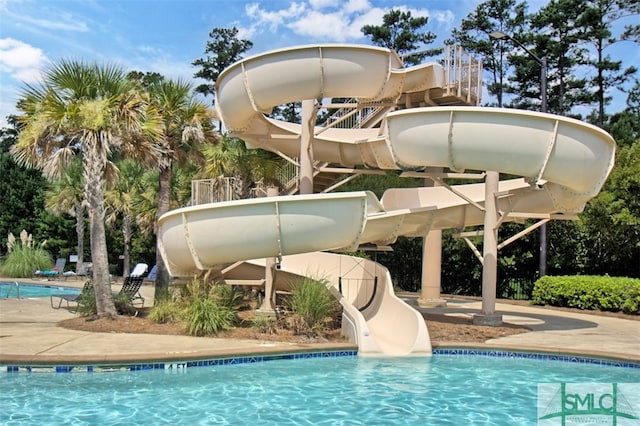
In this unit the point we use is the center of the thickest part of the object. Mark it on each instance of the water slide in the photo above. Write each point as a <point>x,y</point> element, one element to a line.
<point>562,163</point>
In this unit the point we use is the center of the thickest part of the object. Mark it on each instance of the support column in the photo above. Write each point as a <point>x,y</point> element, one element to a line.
<point>268,303</point>
<point>490,254</point>
<point>305,177</point>
<point>431,262</point>
<point>431,271</point>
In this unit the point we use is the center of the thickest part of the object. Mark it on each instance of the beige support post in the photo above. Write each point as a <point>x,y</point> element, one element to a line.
<point>268,303</point>
<point>431,271</point>
<point>306,146</point>
<point>431,261</point>
<point>490,254</point>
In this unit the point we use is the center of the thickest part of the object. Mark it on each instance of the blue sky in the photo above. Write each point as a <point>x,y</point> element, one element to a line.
<point>166,36</point>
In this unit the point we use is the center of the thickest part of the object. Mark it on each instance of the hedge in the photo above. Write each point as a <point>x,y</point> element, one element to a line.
<point>589,292</point>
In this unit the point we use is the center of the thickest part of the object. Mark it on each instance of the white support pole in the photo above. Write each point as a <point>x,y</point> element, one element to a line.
<point>431,271</point>
<point>490,254</point>
<point>268,303</point>
<point>431,262</point>
<point>306,146</point>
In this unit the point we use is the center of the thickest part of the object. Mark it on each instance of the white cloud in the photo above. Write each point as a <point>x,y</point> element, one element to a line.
<point>273,19</point>
<point>321,4</point>
<point>331,20</point>
<point>31,15</point>
<point>321,20</point>
<point>372,17</point>
<point>66,24</point>
<point>443,17</point>
<point>21,60</point>
<point>354,6</point>
<point>322,26</point>
<point>246,33</point>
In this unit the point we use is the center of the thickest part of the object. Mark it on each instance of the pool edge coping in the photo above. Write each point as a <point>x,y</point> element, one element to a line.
<point>538,349</point>
<point>136,363</point>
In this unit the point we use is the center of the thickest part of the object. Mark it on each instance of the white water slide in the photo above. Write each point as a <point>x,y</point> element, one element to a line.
<point>563,163</point>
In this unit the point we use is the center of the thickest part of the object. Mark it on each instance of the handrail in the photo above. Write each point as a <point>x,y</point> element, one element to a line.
<point>15,285</point>
<point>212,190</point>
<point>463,74</point>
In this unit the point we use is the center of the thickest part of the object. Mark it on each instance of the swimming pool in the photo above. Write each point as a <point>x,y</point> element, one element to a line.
<point>349,390</point>
<point>30,290</point>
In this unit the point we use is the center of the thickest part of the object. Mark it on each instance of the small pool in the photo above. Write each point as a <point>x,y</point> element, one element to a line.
<point>344,390</point>
<point>30,290</point>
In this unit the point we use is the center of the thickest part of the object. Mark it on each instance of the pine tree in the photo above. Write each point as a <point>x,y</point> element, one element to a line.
<point>221,51</point>
<point>505,16</point>
<point>401,32</point>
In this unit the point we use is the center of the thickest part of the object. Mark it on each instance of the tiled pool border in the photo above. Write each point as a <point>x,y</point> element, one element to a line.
<point>250,359</point>
<point>172,365</point>
<point>541,356</point>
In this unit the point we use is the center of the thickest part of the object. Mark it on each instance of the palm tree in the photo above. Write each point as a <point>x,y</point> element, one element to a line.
<point>186,126</point>
<point>232,158</point>
<point>121,203</point>
<point>145,204</point>
<point>66,195</point>
<point>90,111</point>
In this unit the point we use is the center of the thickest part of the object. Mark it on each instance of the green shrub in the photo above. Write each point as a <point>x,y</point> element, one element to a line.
<point>164,311</point>
<point>228,296</point>
<point>24,257</point>
<point>265,324</point>
<point>312,302</point>
<point>123,305</point>
<point>589,292</point>
<point>205,316</point>
<point>87,303</point>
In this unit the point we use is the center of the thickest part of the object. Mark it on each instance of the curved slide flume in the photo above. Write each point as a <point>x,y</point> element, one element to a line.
<point>563,162</point>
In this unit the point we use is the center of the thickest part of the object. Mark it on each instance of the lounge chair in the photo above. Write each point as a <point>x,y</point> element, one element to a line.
<point>151,276</point>
<point>131,290</point>
<point>86,291</point>
<point>83,271</point>
<point>56,272</point>
<point>139,270</point>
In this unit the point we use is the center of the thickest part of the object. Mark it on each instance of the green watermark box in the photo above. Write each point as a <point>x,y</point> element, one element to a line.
<point>588,404</point>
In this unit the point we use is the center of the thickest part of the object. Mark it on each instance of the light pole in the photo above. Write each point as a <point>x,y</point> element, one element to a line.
<point>497,35</point>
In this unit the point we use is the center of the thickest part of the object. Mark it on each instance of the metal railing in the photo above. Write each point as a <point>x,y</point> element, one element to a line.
<point>213,190</point>
<point>15,285</point>
<point>354,115</point>
<point>463,74</point>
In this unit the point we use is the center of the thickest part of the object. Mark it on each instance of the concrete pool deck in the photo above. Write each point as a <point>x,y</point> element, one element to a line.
<point>29,335</point>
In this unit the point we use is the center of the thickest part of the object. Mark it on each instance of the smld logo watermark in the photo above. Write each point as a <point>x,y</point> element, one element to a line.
<point>616,404</point>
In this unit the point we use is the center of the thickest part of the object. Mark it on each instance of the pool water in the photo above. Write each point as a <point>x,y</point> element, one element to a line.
<point>28,290</point>
<point>440,390</point>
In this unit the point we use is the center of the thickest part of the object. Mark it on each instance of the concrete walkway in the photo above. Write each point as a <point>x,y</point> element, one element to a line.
<point>29,335</point>
<point>557,331</point>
